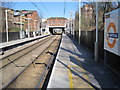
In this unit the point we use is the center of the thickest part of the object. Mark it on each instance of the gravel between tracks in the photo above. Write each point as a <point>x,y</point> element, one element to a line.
<point>31,76</point>
<point>20,52</point>
<point>9,72</point>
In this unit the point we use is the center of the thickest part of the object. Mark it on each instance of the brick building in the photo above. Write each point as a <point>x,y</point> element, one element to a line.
<point>33,17</point>
<point>10,17</point>
<point>56,22</point>
<point>87,17</point>
<point>87,10</point>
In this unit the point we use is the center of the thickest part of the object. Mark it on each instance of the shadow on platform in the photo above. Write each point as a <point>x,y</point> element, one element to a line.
<point>103,76</point>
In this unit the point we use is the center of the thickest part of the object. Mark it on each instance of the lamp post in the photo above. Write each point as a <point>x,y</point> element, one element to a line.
<point>21,32</point>
<point>79,21</point>
<point>72,30</point>
<point>34,28</point>
<point>28,26</point>
<point>6,11</point>
<point>20,22</point>
<point>96,42</point>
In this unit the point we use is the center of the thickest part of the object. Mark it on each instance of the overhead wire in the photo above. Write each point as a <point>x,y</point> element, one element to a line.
<point>45,7</point>
<point>37,7</point>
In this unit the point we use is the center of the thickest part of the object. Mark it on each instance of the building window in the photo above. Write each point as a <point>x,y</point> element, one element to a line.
<point>90,7</point>
<point>53,22</point>
<point>86,8</point>
<point>58,22</point>
<point>49,22</point>
<point>62,22</point>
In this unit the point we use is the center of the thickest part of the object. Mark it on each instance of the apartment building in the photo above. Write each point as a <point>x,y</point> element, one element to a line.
<point>28,17</point>
<point>10,18</point>
<point>87,10</point>
<point>34,19</point>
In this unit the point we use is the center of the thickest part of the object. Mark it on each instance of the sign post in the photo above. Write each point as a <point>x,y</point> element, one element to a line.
<point>111,33</point>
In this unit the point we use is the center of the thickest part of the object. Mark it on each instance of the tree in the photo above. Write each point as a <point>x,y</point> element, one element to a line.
<point>103,8</point>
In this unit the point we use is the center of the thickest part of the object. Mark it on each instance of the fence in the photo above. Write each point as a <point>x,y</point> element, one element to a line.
<point>12,36</point>
<point>88,39</point>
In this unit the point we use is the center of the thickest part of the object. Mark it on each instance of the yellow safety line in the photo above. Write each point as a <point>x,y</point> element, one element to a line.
<point>70,66</point>
<point>70,74</point>
<point>85,76</point>
<point>71,79</point>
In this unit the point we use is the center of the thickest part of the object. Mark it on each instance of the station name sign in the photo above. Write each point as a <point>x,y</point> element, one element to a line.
<point>112,32</point>
<point>113,35</point>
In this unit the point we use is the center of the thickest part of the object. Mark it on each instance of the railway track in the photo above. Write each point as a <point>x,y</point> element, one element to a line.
<point>20,53</point>
<point>15,68</point>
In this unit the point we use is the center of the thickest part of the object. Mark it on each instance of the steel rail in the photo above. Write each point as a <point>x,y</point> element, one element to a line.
<point>39,44</point>
<point>22,49</point>
<point>5,87</point>
<point>48,66</point>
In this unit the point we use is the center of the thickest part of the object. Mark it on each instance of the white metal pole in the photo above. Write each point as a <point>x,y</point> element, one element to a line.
<point>34,28</point>
<point>28,29</point>
<point>6,26</point>
<point>96,42</point>
<point>21,34</point>
<point>79,21</point>
<point>71,25</point>
<point>72,30</point>
<point>20,23</point>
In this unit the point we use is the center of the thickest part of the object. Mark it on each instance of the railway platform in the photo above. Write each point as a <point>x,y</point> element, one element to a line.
<point>75,67</point>
<point>19,41</point>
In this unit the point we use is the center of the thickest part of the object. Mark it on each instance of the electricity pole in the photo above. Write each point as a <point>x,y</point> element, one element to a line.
<point>21,33</point>
<point>79,21</point>
<point>72,30</point>
<point>29,26</point>
<point>6,11</point>
<point>96,42</point>
<point>34,28</point>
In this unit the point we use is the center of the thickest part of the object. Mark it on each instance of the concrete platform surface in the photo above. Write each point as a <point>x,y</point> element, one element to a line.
<point>75,68</point>
<point>14,42</point>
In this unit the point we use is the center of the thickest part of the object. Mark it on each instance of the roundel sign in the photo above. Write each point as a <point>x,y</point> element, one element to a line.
<point>113,35</point>
<point>112,32</point>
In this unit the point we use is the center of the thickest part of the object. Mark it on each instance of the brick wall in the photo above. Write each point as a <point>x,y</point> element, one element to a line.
<point>34,17</point>
<point>56,21</point>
